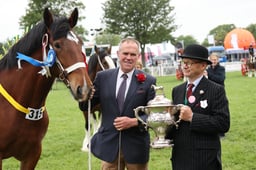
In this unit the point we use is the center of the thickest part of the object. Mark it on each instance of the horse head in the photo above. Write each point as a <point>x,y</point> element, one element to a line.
<point>100,60</point>
<point>70,60</point>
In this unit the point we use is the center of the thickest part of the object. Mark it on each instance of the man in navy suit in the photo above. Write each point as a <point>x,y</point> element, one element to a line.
<point>203,116</point>
<point>121,141</point>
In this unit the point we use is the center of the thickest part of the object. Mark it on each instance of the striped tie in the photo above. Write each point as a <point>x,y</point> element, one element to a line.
<point>121,92</point>
<point>189,91</point>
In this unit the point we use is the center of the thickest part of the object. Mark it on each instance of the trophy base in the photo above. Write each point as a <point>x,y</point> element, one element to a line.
<point>158,144</point>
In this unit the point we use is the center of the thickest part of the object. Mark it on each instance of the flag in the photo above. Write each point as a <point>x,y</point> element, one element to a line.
<point>211,39</point>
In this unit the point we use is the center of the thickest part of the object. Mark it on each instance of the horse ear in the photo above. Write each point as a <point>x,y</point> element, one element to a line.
<point>73,18</point>
<point>109,49</point>
<point>96,50</point>
<point>48,19</point>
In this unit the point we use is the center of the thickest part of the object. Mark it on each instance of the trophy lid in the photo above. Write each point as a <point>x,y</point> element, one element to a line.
<point>160,99</point>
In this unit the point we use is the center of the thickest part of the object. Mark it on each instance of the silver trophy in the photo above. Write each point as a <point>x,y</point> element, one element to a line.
<point>160,113</point>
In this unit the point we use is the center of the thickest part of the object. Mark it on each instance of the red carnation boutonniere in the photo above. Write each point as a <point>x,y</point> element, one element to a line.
<point>141,77</point>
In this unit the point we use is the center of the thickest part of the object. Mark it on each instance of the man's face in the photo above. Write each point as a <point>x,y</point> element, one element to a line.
<point>128,55</point>
<point>193,68</point>
<point>214,60</point>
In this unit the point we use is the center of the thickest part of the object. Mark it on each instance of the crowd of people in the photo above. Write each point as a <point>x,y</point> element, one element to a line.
<point>123,142</point>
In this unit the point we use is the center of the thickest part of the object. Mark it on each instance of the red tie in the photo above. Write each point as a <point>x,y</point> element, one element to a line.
<point>189,91</point>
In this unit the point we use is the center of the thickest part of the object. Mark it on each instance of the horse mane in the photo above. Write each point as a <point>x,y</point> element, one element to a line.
<point>32,41</point>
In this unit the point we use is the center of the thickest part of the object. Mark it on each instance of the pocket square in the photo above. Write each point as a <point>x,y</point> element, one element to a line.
<point>139,91</point>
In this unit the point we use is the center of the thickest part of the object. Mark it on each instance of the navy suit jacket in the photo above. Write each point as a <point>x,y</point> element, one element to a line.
<point>217,74</point>
<point>134,142</point>
<point>197,143</point>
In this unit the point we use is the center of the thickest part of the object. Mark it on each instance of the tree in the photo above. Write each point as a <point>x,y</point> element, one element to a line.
<point>219,33</point>
<point>58,7</point>
<point>252,29</point>
<point>149,21</point>
<point>4,47</point>
<point>106,38</point>
<point>186,40</point>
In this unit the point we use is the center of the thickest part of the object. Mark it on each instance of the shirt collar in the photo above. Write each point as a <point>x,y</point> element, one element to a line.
<point>129,74</point>
<point>196,82</point>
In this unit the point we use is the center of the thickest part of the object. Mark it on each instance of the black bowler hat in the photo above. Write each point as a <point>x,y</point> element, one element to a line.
<point>195,51</point>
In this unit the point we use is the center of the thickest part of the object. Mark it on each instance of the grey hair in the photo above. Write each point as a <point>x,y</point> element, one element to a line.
<point>129,39</point>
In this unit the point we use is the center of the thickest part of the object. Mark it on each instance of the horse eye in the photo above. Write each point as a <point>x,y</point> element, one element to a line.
<point>57,45</point>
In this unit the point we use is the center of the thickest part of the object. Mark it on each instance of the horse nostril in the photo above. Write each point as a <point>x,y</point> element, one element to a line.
<point>79,91</point>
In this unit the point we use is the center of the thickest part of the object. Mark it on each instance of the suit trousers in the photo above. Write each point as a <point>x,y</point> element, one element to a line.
<point>114,165</point>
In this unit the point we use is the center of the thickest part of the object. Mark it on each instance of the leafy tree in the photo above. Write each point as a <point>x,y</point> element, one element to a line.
<point>107,38</point>
<point>219,33</point>
<point>1,50</point>
<point>58,7</point>
<point>252,29</point>
<point>4,47</point>
<point>186,40</point>
<point>149,21</point>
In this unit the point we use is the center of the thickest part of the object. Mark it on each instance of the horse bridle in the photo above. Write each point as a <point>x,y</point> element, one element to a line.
<point>106,58</point>
<point>100,63</point>
<point>64,72</point>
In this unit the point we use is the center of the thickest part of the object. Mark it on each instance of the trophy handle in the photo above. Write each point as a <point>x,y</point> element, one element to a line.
<point>140,108</point>
<point>174,110</point>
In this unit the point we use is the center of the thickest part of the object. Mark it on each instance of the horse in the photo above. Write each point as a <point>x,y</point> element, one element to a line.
<point>27,72</point>
<point>98,61</point>
<point>251,65</point>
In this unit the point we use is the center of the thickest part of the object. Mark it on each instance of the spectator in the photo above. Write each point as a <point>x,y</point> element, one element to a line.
<point>138,65</point>
<point>215,71</point>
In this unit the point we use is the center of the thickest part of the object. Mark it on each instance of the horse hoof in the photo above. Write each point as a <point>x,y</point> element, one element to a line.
<point>84,149</point>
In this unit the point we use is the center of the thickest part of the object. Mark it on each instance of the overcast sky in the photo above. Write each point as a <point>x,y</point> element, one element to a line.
<point>194,17</point>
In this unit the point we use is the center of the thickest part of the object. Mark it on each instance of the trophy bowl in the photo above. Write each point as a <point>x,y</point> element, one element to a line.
<point>160,113</point>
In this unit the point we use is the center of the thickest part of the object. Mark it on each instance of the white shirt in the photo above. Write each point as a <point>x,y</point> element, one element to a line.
<point>196,82</point>
<point>120,79</point>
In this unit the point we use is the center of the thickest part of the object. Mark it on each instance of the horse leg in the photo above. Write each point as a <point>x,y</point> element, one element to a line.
<point>249,70</point>
<point>99,120</point>
<point>253,65</point>
<point>1,162</point>
<point>87,135</point>
<point>30,161</point>
<point>249,73</point>
<point>95,123</point>
<point>86,141</point>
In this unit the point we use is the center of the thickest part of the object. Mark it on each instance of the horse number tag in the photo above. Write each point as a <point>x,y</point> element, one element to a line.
<point>35,114</point>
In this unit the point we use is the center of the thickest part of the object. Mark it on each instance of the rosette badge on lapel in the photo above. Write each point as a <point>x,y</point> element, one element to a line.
<point>141,77</point>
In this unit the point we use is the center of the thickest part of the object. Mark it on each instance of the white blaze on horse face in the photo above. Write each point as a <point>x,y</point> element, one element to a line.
<point>110,62</point>
<point>71,36</point>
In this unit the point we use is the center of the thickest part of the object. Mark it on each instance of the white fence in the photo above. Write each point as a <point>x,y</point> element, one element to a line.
<point>164,70</point>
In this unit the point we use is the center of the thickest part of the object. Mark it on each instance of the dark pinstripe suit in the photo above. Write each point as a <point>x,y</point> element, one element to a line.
<point>196,143</point>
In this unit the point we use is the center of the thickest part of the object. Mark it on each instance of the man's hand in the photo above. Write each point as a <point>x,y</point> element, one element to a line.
<point>92,93</point>
<point>124,122</point>
<point>186,113</point>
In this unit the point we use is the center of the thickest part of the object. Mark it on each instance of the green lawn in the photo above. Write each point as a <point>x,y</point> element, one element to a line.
<point>61,146</point>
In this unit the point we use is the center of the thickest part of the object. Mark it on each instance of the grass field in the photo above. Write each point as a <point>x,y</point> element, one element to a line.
<point>61,145</point>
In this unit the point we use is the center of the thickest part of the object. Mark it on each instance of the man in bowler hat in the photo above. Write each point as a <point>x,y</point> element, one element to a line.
<point>204,114</point>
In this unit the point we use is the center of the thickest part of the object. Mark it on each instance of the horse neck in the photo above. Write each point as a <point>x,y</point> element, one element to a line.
<point>26,85</point>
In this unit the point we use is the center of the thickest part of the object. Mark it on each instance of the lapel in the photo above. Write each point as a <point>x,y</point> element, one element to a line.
<point>113,78</point>
<point>181,96</point>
